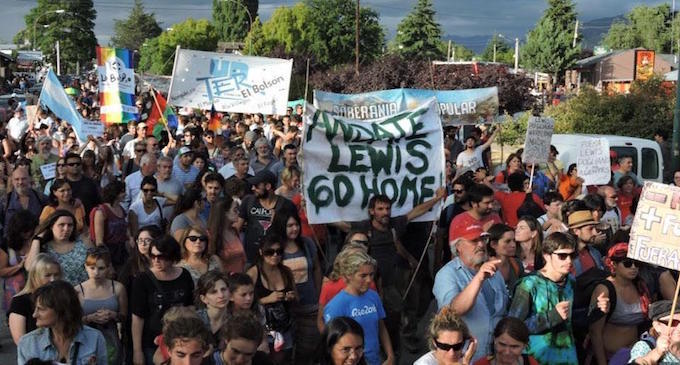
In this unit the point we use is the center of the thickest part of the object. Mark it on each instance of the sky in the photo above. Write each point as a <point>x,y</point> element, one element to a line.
<point>462,18</point>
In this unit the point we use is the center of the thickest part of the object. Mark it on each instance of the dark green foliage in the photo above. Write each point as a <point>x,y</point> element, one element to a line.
<point>231,19</point>
<point>131,33</point>
<point>645,26</point>
<point>419,35</point>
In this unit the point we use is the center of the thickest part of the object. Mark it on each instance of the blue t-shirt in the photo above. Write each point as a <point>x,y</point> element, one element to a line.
<point>367,310</point>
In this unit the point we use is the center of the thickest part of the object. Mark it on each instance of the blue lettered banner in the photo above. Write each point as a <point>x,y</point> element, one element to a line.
<point>347,161</point>
<point>230,82</point>
<point>456,107</point>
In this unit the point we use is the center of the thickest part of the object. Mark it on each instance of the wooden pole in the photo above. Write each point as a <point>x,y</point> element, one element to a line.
<point>675,301</point>
<point>160,112</point>
<point>356,45</point>
<point>531,178</point>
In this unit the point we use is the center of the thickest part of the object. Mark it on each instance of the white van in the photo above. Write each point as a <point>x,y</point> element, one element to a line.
<point>647,159</point>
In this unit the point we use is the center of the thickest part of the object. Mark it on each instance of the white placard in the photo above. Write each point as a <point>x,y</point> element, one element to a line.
<point>230,82</point>
<point>91,128</point>
<point>49,171</point>
<point>537,141</point>
<point>593,162</point>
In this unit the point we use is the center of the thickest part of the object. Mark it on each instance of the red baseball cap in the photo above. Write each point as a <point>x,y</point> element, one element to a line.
<point>470,233</point>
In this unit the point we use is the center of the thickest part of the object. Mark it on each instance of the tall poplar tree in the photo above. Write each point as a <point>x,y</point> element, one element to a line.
<point>418,34</point>
<point>232,18</point>
<point>138,27</point>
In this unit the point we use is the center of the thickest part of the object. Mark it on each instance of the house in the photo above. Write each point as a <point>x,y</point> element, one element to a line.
<point>614,71</point>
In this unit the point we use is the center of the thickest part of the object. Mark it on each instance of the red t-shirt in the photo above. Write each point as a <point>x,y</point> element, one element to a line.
<point>465,219</point>
<point>624,202</point>
<point>510,202</point>
<point>330,288</point>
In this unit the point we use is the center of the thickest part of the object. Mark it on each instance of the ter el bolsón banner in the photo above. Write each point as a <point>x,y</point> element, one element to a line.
<point>347,161</point>
<point>456,107</point>
<point>230,82</point>
<point>116,84</point>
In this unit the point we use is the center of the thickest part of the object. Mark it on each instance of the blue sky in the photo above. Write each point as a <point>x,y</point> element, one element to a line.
<point>512,18</point>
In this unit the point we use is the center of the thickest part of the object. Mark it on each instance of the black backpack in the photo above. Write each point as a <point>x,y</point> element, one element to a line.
<point>582,316</point>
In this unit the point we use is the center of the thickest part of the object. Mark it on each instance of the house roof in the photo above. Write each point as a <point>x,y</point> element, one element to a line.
<point>592,60</point>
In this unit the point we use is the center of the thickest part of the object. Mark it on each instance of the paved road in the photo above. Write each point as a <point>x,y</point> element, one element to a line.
<point>8,352</point>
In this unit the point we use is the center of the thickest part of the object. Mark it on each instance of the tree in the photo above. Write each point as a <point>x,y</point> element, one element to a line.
<point>646,27</point>
<point>290,28</point>
<point>336,20</point>
<point>67,21</point>
<point>232,18</point>
<point>137,28</point>
<point>418,34</point>
<point>549,44</point>
<point>158,55</point>
<point>504,53</point>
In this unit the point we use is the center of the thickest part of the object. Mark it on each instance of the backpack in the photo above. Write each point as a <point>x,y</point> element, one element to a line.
<point>582,316</point>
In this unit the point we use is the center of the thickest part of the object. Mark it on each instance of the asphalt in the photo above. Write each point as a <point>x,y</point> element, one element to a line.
<point>8,351</point>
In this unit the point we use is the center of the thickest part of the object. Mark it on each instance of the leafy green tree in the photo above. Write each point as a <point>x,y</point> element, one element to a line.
<point>549,45</point>
<point>232,18</point>
<point>67,21</point>
<point>418,34</point>
<point>158,55</point>
<point>292,29</point>
<point>336,21</point>
<point>645,26</point>
<point>137,28</point>
<point>504,53</point>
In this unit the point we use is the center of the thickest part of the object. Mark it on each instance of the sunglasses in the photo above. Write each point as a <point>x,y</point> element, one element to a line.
<point>73,164</point>
<point>196,238</point>
<point>670,322</point>
<point>563,255</point>
<point>458,191</point>
<point>61,164</point>
<point>271,252</point>
<point>627,263</point>
<point>447,347</point>
<point>361,242</point>
<point>158,257</point>
<point>140,150</point>
<point>149,190</point>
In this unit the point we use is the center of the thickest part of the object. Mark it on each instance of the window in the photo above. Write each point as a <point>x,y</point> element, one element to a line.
<point>650,164</point>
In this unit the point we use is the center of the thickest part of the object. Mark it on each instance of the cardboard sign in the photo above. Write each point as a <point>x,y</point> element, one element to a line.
<point>537,141</point>
<point>49,171</point>
<point>91,128</point>
<point>655,232</point>
<point>593,162</point>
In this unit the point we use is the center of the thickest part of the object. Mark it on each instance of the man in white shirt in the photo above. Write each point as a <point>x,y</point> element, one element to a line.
<point>228,169</point>
<point>18,125</point>
<point>147,167</point>
<point>471,158</point>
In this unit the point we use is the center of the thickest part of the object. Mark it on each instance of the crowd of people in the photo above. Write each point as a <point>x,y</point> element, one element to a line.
<point>192,246</point>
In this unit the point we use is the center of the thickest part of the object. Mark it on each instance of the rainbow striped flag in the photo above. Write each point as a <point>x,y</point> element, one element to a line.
<point>116,85</point>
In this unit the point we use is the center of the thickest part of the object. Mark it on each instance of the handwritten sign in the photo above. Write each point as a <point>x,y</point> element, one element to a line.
<point>655,232</point>
<point>537,141</point>
<point>592,161</point>
<point>48,171</point>
<point>91,128</point>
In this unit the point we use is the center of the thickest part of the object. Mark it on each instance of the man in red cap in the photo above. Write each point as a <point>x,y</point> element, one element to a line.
<point>481,198</point>
<point>472,286</point>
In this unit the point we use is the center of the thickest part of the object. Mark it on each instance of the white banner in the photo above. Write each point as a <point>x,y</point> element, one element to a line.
<point>233,83</point>
<point>347,161</point>
<point>537,141</point>
<point>593,162</point>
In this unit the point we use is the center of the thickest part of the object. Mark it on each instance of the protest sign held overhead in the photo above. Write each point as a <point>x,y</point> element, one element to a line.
<point>537,141</point>
<point>655,232</point>
<point>116,84</point>
<point>593,161</point>
<point>230,82</point>
<point>348,161</point>
<point>471,106</point>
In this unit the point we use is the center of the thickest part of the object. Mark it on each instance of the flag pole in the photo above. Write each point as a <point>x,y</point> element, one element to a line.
<point>172,77</point>
<point>304,105</point>
<point>160,112</point>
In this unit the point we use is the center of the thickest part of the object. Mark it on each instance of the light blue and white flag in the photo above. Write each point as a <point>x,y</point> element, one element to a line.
<point>54,97</point>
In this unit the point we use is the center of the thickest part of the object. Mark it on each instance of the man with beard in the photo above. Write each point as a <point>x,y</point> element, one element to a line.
<point>472,286</point>
<point>480,198</point>
<point>21,197</point>
<point>385,246</point>
<point>82,187</point>
<point>212,187</point>
<point>258,209</point>
<point>582,227</point>
<point>612,215</point>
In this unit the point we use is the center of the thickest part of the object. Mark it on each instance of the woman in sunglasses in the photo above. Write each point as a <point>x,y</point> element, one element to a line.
<point>661,344</point>
<point>629,300</point>
<point>511,337</point>
<point>197,255</point>
<point>450,341</point>
<point>275,290</point>
<point>59,173</point>
<point>147,211</point>
<point>154,292</point>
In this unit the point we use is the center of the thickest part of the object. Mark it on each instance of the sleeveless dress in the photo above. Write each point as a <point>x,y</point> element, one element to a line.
<point>72,263</point>
<point>278,316</point>
<point>13,284</point>
<point>114,349</point>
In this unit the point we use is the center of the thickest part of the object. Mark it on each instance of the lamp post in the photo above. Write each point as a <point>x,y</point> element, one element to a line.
<point>35,23</point>
<point>250,16</point>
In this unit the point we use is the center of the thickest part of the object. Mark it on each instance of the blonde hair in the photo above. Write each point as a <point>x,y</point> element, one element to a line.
<point>35,273</point>
<point>354,259</point>
<point>207,252</point>
<point>288,173</point>
<point>347,249</point>
<point>446,320</point>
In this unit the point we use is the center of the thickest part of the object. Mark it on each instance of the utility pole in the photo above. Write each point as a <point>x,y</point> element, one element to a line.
<point>356,45</point>
<point>448,52</point>
<point>58,59</point>
<point>575,35</point>
<point>494,46</point>
<point>516,54</point>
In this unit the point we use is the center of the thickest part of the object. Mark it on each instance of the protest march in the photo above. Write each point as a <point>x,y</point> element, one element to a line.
<point>216,214</point>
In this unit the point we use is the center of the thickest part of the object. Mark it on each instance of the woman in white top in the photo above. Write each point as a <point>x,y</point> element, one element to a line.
<point>147,211</point>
